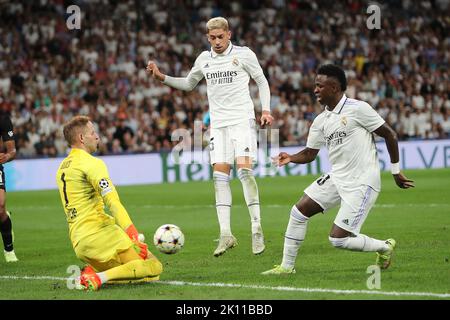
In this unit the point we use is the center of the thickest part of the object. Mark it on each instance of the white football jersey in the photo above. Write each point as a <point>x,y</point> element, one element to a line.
<point>347,133</point>
<point>227,77</point>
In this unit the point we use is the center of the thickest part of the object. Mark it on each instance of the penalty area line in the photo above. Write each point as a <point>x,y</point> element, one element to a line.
<point>306,290</point>
<point>258,287</point>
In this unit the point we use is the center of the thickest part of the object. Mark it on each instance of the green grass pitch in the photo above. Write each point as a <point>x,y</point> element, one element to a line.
<point>419,219</point>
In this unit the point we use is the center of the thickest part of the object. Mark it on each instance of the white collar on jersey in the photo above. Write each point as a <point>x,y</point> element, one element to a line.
<point>226,52</point>
<point>340,105</point>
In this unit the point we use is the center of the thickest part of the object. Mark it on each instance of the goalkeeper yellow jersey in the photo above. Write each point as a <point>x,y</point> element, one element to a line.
<point>84,183</point>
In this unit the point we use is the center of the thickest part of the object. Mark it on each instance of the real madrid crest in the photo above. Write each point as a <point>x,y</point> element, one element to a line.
<point>344,121</point>
<point>235,62</point>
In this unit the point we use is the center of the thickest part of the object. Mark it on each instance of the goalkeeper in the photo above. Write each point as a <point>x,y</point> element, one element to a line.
<point>108,244</point>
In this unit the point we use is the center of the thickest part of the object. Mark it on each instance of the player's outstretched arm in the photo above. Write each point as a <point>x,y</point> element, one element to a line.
<point>186,84</point>
<point>307,155</point>
<point>390,138</point>
<point>153,70</point>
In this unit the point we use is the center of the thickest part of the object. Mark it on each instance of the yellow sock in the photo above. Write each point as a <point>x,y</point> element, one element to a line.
<point>135,269</point>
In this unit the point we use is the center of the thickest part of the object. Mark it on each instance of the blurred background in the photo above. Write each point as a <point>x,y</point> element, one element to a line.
<point>49,73</point>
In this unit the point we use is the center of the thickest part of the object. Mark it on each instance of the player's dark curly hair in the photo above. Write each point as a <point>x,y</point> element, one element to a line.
<point>332,70</point>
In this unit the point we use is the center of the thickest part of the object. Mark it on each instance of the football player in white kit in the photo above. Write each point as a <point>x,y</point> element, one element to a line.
<point>345,127</point>
<point>227,69</point>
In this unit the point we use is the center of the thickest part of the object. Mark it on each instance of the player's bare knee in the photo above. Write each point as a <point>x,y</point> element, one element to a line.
<point>308,206</point>
<point>338,232</point>
<point>300,207</point>
<point>244,163</point>
<point>222,168</point>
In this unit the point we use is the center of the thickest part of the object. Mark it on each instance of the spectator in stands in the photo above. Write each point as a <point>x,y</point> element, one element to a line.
<point>46,69</point>
<point>123,132</point>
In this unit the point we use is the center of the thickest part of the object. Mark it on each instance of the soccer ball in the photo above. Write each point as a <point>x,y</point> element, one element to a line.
<point>168,239</point>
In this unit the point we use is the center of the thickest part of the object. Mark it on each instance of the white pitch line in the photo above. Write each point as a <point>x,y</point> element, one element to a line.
<point>257,287</point>
<point>197,206</point>
<point>32,278</point>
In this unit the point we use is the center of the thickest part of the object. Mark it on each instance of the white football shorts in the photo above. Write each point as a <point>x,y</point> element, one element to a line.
<point>228,143</point>
<point>355,202</point>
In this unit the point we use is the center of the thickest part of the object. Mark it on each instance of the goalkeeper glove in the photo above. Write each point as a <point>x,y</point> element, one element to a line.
<point>140,247</point>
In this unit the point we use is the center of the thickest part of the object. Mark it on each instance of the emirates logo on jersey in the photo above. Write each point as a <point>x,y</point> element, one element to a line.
<point>335,139</point>
<point>220,77</point>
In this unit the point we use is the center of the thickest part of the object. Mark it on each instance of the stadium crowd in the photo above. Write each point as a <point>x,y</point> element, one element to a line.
<point>49,73</point>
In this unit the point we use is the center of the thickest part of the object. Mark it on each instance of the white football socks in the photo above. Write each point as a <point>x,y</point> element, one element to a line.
<point>361,242</point>
<point>251,196</point>
<point>103,277</point>
<point>294,236</point>
<point>223,201</point>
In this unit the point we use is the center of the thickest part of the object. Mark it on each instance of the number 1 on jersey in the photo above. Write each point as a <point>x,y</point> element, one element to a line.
<point>65,189</point>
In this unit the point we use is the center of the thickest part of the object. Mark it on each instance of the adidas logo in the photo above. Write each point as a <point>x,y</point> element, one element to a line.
<point>247,150</point>
<point>206,65</point>
<point>345,221</point>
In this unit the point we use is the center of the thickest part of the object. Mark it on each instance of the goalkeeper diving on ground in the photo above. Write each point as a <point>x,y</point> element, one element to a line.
<point>108,244</point>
